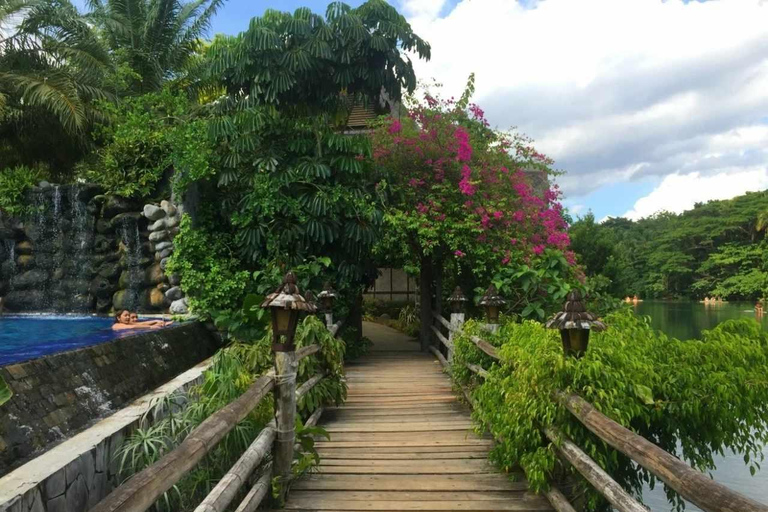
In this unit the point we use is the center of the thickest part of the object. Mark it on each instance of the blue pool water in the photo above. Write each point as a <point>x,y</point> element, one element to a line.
<point>28,337</point>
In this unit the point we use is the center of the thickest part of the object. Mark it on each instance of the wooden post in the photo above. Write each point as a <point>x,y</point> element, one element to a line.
<point>329,320</point>
<point>425,294</point>
<point>286,366</point>
<point>457,320</point>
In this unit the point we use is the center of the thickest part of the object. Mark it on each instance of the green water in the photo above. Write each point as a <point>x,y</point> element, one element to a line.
<point>686,320</point>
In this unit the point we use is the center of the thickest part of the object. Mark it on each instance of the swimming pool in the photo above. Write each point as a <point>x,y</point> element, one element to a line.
<point>24,337</point>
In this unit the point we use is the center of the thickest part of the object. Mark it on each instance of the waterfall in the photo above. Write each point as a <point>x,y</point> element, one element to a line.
<point>132,241</point>
<point>57,206</point>
<point>81,236</point>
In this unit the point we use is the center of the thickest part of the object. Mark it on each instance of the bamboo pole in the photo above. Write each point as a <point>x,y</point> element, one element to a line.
<point>306,351</point>
<point>309,384</point>
<point>442,320</point>
<point>442,338</point>
<point>225,491</point>
<point>257,493</point>
<point>589,469</point>
<point>286,367</point>
<point>692,485</point>
<point>485,347</point>
<point>477,369</point>
<point>558,500</point>
<point>141,491</point>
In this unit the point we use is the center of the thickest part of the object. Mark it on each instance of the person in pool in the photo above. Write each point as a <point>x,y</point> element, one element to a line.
<point>123,322</point>
<point>148,323</point>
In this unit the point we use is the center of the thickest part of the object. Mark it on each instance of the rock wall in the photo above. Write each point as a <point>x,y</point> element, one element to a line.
<point>164,226</point>
<point>58,395</point>
<point>81,251</point>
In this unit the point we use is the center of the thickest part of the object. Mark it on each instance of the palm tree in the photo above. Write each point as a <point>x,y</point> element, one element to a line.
<point>156,39</point>
<point>762,221</point>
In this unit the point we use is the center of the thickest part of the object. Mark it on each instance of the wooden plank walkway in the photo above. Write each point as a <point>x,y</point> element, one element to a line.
<point>403,442</point>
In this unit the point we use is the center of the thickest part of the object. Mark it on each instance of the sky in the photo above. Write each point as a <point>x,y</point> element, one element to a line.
<point>646,105</point>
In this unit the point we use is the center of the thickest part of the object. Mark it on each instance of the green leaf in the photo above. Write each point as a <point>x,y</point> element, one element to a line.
<point>644,393</point>
<point>5,391</point>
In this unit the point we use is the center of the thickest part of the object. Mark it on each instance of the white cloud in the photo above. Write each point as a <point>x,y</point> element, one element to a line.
<point>613,90</point>
<point>677,192</point>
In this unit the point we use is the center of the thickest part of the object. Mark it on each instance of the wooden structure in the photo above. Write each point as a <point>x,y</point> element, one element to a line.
<point>402,441</point>
<point>691,484</point>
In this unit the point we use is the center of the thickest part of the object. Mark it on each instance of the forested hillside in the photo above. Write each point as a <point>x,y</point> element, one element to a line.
<point>718,249</point>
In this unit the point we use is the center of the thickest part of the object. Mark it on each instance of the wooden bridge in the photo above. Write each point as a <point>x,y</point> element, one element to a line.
<point>402,441</point>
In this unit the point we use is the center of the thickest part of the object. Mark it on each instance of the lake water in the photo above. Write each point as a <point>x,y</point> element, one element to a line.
<point>686,320</point>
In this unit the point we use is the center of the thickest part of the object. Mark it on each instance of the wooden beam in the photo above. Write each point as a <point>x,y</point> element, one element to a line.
<point>477,369</point>
<point>334,330</point>
<point>144,488</point>
<point>225,491</point>
<point>286,368</point>
<point>439,357</point>
<point>315,417</point>
<point>558,500</point>
<point>257,493</point>
<point>692,485</point>
<point>443,321</point>
<point>442,338</point>
<point>485,347</point>
<point>595,475</point>
<point>309,384</point>
<point>306,351</point>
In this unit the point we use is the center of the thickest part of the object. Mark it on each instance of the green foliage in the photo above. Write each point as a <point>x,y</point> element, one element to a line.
<point>5,391</point>
<point>211,274</point>
<point>717,249</point>
<point>14,181</point>
<point>695,397</point>
<point>304,60</point>
<point>148,136</point>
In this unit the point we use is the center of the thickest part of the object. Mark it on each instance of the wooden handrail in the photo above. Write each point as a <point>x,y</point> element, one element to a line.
<point>589,469</point>
<point>257,493</point>
<point>442,338</point>
<point>225,491</point>
<point>307,351</point>
<point>334,329</point>
<point>477,369</point>
<point>144,488</point>
<point>446,323</point>
<point>692,485</point>
<point>309,384</point>
<point>558,500</point>
<point>485,347</point>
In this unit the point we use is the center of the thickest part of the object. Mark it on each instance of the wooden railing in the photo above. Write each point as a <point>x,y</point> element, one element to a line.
<point>691,484</point>
<point>146,487</point>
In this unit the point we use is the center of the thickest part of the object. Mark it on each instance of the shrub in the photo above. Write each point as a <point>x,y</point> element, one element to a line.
<point>14,181</point>
<point>703,396</point>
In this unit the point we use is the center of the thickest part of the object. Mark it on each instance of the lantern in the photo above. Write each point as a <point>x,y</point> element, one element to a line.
<point>327,297</point>
<point>457,300</point>
<point>284,307</point>
<point>492,303</point>
<point>575,324</point>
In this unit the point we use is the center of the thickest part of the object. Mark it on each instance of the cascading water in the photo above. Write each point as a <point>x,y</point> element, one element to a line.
<point>81,238</point>
<point>131,238</point>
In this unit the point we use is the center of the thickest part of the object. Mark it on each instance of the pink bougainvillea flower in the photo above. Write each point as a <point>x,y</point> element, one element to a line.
<point>395,127</point>
<point>458,254</point>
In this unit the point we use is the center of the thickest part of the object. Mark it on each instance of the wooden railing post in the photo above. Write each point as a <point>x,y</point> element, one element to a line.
<point>425,294</point>
<point>457,320</point>
<point>286,366</point>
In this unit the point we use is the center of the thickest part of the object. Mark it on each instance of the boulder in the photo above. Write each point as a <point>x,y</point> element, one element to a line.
<point>82,302</point>
<point>165,253</point>
<point>174,279</point>
<point>7,269</point>
<point>161,246</point>
<point>168,207</point>
<point>179,307</point>
<point>101,287</point>
<point>24,247</point>
<point>103,304</point>
<point>156,299</point>
<point>154,274</point>
<point>126,219</point>
<point>158,225</point>
<point>109,270</point>
<point>172,222</point>
<point>163,263</point>
<point>30,279</point>
<point>129,299</point>
<point>174,293</point>
<point>44,185</point>
<point>25,262</point>
<point>103,227</point>
<point>115,205</point>
<point>19,300</point>
<point>163,287</point>
<point>158,236</point>
<point>152,212</point>
<point>132,278</point>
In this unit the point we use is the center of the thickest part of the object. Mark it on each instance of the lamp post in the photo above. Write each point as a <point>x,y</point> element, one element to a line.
<point>327,296</point>
<point>575,324</point>
<point>284,305</point>
<point>458,302</point>
<point>492,303</point>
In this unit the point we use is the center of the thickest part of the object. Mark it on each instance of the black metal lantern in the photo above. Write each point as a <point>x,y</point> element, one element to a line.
<point>457,300</point>
<point>284,307</point>
<point>327,297</point>
<point>575,324</point>
<point>492,302</point>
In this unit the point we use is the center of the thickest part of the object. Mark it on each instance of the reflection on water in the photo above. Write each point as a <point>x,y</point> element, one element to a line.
<point>686,320</point>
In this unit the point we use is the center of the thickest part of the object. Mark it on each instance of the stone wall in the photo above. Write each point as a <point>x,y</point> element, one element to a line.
<point>80,472</point>
<point>58,395</point>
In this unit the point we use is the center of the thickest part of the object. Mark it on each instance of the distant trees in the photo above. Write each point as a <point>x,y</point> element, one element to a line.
<point>717,249</point>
